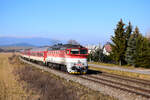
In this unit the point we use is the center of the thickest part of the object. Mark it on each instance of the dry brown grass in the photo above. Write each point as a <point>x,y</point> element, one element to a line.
<point>48,87</point>
<point>10,89</point>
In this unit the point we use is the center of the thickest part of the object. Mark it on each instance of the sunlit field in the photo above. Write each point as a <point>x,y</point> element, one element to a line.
<point>10,89</point>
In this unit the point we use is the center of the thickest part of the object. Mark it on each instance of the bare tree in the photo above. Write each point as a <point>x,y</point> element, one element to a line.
<point>74,42</point>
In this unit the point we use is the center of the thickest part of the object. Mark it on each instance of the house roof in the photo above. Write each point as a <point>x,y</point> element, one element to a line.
<point>108,47</point>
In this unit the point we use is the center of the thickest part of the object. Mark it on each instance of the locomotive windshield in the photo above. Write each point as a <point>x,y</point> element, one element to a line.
<point>78,51</point>
<point>83,51</point>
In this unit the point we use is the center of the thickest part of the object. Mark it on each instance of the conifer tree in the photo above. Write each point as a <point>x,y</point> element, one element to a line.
<point>119,43</point>
<point>143,53</point>
<point>131,51</point>
<point>128,32</point>
<point>138,50</point>
<point>139,47</point>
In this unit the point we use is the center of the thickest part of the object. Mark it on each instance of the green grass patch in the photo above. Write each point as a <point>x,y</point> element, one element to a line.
<point>114,65</point>
<point>123,73</point>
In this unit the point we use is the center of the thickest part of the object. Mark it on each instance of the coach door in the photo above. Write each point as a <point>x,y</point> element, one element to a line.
<point>45,55</point>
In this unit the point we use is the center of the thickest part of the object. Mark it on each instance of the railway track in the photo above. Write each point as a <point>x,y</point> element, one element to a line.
<point>136,80</point>
<point>142,92</point>
<point>117,85</point>
<point>121,85</point>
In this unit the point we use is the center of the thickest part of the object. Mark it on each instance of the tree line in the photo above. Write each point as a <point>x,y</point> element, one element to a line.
<point>129,47</point>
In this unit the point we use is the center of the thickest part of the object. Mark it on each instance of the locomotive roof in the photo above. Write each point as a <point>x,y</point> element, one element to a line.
<point>63,47</point>
<point>39,49</point>
<point>72,46</point>
<point>56,47</point>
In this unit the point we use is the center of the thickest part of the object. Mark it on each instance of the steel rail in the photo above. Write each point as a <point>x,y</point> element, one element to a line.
<point>116,87</point>
<point>126,79</point>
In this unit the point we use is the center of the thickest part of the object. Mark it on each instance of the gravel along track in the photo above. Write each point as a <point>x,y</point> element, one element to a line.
<point>104,86</point>
<point>125,87</point>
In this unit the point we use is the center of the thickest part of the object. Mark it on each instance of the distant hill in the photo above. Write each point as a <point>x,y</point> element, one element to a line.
<point>18,45</point>
<point>26,42</point>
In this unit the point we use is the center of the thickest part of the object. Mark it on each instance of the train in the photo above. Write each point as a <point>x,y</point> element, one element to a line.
<point>67,57</point>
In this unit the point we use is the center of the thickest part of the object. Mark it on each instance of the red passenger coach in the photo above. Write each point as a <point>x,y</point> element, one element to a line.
<point>68,57</point>
<point>39,54</point>
<point>25,53</point>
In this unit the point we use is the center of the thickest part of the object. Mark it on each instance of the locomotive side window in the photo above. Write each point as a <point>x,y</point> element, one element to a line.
<point>74,51</point>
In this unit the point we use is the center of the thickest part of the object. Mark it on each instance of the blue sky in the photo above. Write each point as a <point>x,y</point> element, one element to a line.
<point>87,21</point>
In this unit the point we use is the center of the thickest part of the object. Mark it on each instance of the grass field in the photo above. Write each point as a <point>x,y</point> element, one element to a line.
<point>123,73</point>
<point>114,65</point>
<point>10,88</point>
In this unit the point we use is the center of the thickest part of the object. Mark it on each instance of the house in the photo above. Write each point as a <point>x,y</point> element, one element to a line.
<point>92,47</point>
<point>107,49</point>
